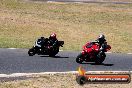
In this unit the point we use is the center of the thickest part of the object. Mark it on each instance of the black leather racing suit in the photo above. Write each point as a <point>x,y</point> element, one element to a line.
<point>53,41</point>
<point>42,42</point>
<point>102,45</point>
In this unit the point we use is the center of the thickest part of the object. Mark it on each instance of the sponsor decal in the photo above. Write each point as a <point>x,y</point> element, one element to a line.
<point>84,77</point>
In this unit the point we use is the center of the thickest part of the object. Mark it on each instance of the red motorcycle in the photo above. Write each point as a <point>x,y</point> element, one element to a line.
<point>91,53</point>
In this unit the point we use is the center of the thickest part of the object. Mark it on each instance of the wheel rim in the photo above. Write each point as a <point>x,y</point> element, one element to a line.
<point>31,53</point>
<point>79,60</point>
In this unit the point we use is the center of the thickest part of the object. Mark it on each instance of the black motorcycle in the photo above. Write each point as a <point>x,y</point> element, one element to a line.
<point>45,48</point>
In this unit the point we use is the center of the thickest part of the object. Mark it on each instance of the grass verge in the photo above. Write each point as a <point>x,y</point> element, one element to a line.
<point>21,23</point>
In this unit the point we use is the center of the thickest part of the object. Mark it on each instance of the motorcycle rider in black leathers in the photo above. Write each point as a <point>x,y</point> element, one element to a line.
<point>102,43</point>
<point>53,40</point>
<point>41,42</point>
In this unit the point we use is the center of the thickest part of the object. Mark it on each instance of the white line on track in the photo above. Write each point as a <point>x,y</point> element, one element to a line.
<point>52,73</point>
<point>12,48</point>
<point>55,2</point>
<point>19,48</point>
<point>59,50</point>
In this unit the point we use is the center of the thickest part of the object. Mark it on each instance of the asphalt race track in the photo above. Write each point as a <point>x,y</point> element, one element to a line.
<point>18,61</point>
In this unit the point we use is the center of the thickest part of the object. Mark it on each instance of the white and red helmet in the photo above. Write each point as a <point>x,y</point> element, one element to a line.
<point>53,35</point>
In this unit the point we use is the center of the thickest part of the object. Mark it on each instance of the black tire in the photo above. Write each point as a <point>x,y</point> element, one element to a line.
<point>54,52</point>
<point>31,52</point>
<point>100,58</point>
<point>52,55</point>
<point>79,58</point>
<point>81,80</point>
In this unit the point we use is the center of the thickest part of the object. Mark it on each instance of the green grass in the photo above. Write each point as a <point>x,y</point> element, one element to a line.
<point>21,23</point>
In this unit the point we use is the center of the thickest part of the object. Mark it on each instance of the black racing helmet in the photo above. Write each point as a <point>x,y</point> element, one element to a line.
<point>101,36</point>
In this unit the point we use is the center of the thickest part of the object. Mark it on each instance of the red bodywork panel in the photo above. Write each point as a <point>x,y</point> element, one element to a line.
<point>89,47</point>
<point>92,48</point>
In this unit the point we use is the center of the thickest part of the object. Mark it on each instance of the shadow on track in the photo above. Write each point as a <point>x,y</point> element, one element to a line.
<point>54,56</point>
<point>99,64</point>
<point>60,57</point>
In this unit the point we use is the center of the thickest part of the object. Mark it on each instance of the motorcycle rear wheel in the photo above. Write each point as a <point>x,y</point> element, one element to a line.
<point>54,52</point>
<point>52,55</point>
<point>100,58</point>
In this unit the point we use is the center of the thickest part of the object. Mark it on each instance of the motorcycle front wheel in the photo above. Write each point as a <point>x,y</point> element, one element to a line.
<point>31,52</point>
<point>79,58</point>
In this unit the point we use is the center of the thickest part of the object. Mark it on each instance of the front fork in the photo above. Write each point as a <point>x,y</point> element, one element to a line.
<point>85,55</point>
